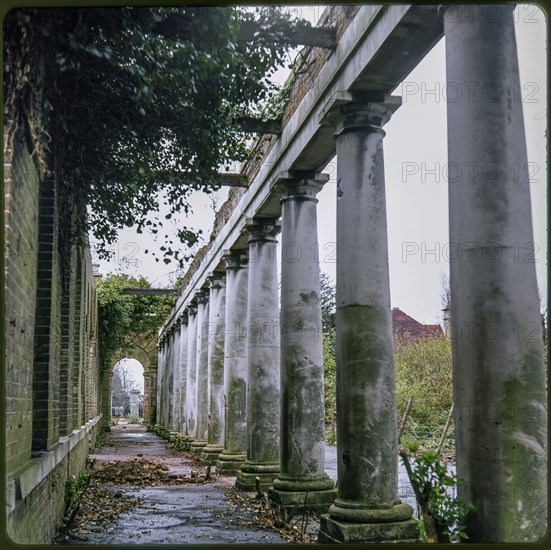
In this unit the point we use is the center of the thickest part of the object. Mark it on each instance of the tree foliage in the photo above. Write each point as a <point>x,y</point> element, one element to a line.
<point>330,385</point>
<point>123,319</point>
<point>129,108</point>
<point>328,302</point>
<point>328,306</point>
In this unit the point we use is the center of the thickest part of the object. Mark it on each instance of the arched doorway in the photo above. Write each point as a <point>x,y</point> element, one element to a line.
<point>127,391</point>
<point>144,354</point>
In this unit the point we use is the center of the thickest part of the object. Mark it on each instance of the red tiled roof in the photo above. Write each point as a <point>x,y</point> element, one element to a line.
<point>407,328</point>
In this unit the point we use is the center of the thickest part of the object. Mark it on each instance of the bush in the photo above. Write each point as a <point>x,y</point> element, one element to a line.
<point>424,372</point>
<point>330,385</point>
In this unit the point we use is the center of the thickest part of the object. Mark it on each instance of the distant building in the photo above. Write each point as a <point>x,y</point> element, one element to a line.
<point>407,328</point>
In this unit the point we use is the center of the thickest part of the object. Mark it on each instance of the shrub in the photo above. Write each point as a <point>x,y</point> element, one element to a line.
<point>424,372</point>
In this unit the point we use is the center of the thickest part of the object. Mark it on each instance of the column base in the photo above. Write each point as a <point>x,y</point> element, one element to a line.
<point>229,464</point>
<point>246,477</point>
<point>196,448</point>
<point>292,496</point>
<point>172,436</point>
<point>345,525</point>
<point>211,453</point>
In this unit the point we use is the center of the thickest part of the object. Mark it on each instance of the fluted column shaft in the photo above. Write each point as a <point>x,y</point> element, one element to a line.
<point>263,405</point>
<point>235,364</point>
<point>499,374</point>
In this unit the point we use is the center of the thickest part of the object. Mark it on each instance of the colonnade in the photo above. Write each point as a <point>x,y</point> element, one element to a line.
<point>252,399</point>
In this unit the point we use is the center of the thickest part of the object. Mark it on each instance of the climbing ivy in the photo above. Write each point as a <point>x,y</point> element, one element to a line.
<point>133,108</point>
<point>122,318</point>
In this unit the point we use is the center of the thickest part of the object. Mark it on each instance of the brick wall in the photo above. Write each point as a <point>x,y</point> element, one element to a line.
<point>21,244</point>
<point>50,351</point>
<point>36,518</point>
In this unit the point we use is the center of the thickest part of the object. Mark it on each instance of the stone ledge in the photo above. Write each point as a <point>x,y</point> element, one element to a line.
<point>24,481</point>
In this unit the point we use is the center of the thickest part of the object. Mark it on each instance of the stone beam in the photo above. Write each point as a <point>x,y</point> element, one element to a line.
<point>302,34</point>
<point>149,291</point>
<point>178,26</point>
<point>258,125</point>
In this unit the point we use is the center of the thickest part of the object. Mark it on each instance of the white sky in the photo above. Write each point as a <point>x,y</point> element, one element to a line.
<point>417,202</point>
<point>135,371</point>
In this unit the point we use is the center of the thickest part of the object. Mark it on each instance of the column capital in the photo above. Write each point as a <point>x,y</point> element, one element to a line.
<point>354,111</point>
<point>301,185</point>
<point>216,279</point>
<point>202,296</point>
<point>236,259</point>
<point>191,308</point>
<point>262,229</point>
<point>182,319</point>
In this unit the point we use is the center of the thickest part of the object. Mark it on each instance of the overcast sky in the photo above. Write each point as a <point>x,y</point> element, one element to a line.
<point>415,147</point>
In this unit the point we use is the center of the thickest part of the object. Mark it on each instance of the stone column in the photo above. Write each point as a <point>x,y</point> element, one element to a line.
<point>499,374</point>
<point>153,370</point>
<point>235,364</point>
<point>302,484</point>
<point>367,508</point>
<point>262,358</point>
<point>176,379</point>
<point>169,382</point>
<point>158,391</point>
<point>217,317</point>
<point>191,375</point>
<point>183,373</point>
<point>163,388</point>
<point>202,428</point>
<point>134,403</point>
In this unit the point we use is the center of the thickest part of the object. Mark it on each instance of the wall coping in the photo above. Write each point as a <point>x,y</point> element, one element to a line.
<point>25,480</point>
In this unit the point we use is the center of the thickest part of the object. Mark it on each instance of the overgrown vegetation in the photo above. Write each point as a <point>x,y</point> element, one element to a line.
<point>424,372</point>
<point>443,514</point>
<point>100,438</point>
<point>128,108</point>
<point>123,318</point>
<point>73,487</point>
<point>328,309</point>
<point>330,385</point>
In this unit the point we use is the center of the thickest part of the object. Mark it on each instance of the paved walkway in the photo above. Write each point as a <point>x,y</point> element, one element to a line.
<point>172,507</point>
<point>171,503</point>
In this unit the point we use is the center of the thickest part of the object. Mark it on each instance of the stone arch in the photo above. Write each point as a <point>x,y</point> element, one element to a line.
<point>144,350</point>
